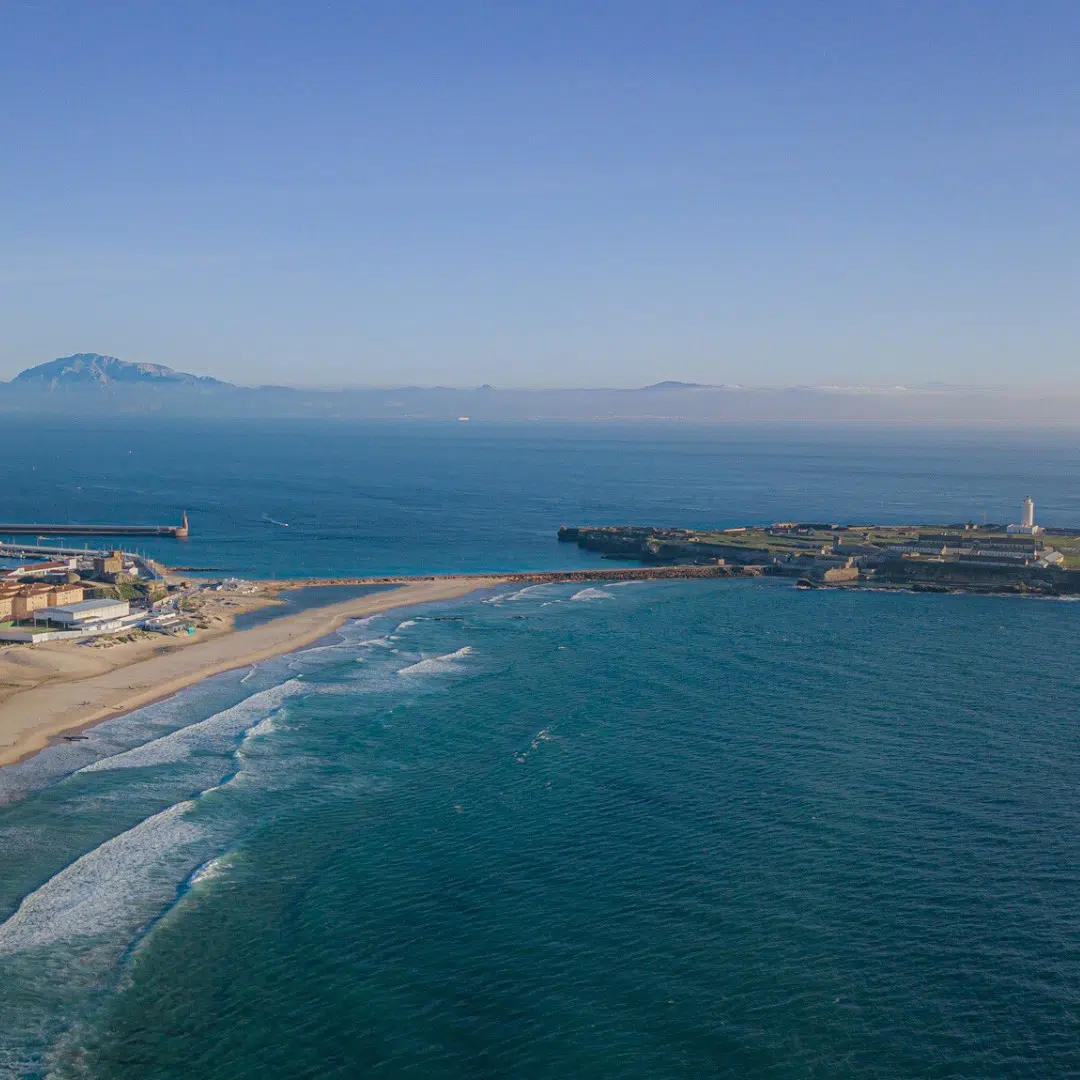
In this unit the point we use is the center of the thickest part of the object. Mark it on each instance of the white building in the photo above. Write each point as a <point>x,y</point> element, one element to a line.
<point>84,615</point>
<point>1027,524</point>
<point>41,569</point>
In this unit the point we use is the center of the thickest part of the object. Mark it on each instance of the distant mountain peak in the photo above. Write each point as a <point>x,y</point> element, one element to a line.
<point>94,369</point>
<point>674,384</point>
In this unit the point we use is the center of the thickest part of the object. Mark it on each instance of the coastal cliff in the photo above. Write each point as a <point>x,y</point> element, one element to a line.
<point>659,545</point>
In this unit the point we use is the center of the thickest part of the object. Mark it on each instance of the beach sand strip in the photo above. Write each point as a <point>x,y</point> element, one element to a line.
<point>75,693</point>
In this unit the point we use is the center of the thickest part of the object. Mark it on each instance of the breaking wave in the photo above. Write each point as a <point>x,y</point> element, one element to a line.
<point>108,888</point>
<point>215,732</point>
<point>437,663</point>
<point>209,871</point>
<point>591,594</point>
<point>504,598</point>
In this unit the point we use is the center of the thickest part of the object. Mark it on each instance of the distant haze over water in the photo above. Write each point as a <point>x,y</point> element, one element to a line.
<point>86,385</point>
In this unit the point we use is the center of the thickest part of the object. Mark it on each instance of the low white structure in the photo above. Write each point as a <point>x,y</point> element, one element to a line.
<point>87,613</point>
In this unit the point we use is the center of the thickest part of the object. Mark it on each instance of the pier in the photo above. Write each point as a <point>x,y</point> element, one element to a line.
<point>177,532</point>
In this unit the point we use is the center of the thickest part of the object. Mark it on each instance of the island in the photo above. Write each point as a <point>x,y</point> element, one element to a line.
<point>1023,558</point>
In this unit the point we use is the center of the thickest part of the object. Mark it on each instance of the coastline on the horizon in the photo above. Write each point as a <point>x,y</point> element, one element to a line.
<point>93,384</point>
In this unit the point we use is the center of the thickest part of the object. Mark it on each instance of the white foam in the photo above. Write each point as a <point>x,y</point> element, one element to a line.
<point>343,633</point>
<point>504,598</point>
<point>591,594</point>
<point>437,664</point>
<point>116,886</point>
<point>215,731</point>
<point>263,727</point>
<point>211,870</point>
<point>543,735</point>
<point>371,643</point>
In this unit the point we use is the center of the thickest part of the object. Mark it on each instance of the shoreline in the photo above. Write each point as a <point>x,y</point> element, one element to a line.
<point>34,718</point>
<point>71,689</point>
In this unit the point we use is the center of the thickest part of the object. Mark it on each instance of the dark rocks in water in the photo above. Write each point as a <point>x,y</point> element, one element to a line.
<point>75,738</point>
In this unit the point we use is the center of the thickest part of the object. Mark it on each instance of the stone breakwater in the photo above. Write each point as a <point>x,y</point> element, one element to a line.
<point>642,573</point>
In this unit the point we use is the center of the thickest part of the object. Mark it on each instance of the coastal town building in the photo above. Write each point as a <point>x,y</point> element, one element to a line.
<point>86,614</point>
<point>66,594</point>
<point>971,546</point>
<point>39,570</point>
<point>24,601</point>
<point>30,598</point>
<point>111,564</point>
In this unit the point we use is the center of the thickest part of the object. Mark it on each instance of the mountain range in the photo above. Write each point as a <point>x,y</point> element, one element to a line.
<point>93,369</point>
<point>90,384</point>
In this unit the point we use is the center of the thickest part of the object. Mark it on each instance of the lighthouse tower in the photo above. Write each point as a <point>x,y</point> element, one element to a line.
<point>1027,526</point>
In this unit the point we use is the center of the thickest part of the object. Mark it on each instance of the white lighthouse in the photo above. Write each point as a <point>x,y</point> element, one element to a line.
<point>1027,526</point>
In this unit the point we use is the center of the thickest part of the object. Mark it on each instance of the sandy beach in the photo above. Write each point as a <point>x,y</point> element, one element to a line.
<point>61,687</point>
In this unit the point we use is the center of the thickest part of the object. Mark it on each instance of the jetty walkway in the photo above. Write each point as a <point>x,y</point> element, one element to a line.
<point>179,532</point>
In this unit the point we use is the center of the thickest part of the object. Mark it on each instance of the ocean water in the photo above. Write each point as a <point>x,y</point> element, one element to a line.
<point>442,497</point>
<point>664,829</point>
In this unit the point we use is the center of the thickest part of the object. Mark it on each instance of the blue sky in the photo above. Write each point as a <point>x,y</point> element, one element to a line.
<point>556,193</point>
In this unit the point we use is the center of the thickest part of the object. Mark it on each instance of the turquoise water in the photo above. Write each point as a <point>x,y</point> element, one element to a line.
<point>665,829</point>
<point>294,601</point>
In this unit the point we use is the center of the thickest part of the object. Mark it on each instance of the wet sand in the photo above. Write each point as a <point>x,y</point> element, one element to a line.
<point>69,687</point>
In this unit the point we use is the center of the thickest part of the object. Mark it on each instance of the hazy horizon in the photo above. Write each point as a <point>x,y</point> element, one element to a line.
<point>659,382</point>
<point>573,195</point>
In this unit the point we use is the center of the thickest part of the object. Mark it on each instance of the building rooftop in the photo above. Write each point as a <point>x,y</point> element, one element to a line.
<point>87,607</point>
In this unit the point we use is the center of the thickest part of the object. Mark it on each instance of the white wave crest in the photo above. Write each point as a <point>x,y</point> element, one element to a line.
<point>211,870</point>
<point>591,594</point>
<point>215,731</point>
<point>437,664</point>
<point>263,727</point>
<point>117,885</point>
<point>505,598</point>
<point>372,643</point>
